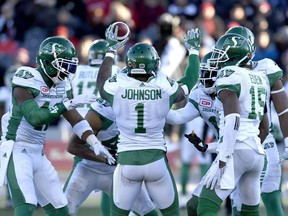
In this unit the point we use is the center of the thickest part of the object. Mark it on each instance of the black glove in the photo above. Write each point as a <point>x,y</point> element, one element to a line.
<point>196,141</point>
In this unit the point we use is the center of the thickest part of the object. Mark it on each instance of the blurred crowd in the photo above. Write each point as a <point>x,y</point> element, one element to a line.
<point>24,24</point>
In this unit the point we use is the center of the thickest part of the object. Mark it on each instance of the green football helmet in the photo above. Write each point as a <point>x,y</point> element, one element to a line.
<point>142,59</point>
<point>57,58</point>
<point>231,49</point>
<point>246,33</point>
<point>97,52</point>
<point>208,74</point>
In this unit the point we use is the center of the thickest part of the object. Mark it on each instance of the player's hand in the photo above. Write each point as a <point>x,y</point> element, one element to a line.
<point>213,176</point>
<point>99,149</point>
<point>79,100</point>
<point>284,155</point>
<point>197,142</point>
<point>192,40</point>
<point>111,37</point>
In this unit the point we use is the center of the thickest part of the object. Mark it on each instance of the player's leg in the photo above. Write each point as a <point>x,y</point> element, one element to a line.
<point>76,160</point>
<point>51,211</point>
<point>21,184</point>
<point>271,185</point>
<point>143,204</point>
<point>48,188</point>
<point>105,204</point>
<point>85,180</point>
<point>127,184</point>
<point>161,187</point>
<point>249,183</point>
<point>192,203</point>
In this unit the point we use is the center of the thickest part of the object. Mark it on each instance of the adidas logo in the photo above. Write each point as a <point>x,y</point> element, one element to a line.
<point>24,151</point>
<point>4,155</point>
<point>142,84</point>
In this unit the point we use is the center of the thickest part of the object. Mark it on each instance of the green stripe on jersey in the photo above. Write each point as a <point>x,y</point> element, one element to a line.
<point>274,77</point>
<point>236,88</point>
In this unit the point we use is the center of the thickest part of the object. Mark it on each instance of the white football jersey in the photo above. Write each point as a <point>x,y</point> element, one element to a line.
<point>273,73</point>
<point>84,82</point>
<point>199,105</point>
<point>140,109</point>
<point>18,128</point>
<point>250,86</point>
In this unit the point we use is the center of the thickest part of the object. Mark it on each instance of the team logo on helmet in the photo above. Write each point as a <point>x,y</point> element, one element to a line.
<point>233,42</point>
<point>53,47</point>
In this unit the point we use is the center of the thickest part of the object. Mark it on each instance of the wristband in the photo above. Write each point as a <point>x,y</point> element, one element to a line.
<point>110,54</point>
<point>194,52</point>
<point>91,139</point>
<point>81,127</point>
<point>286,142</point>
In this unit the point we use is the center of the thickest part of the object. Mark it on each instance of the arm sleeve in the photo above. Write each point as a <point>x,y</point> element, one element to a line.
<point>183,115</point>
<point>37,116</point>
<point>191,72</point>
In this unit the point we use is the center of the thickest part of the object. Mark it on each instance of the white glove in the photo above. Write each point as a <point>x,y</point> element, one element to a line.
<point>284,155</point>
<point>111,37</point>
<point>192,40</point>
<point>99,149</point>
<point>79,100</point>
<point>213,176</point>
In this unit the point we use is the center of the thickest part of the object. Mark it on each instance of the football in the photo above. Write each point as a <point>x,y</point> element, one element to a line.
<point>122,29</point>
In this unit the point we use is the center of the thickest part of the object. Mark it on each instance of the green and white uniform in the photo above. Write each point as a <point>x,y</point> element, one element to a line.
<point>201,105</point>
<point>248,153</point>
<point>84,82</point>
<point>140,109</point>
<point>271,173</point>
<point>88,176</point>
<point>31,177</point>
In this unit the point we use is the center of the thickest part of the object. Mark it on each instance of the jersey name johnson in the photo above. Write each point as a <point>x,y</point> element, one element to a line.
<point>142,94</point>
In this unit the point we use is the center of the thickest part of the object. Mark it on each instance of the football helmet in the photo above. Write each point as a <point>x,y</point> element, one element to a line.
<point>97,52</point>
<point>231,49</point>
<point>142,59</point>
<point>246,33</point>
<point>57,58</point>
<point>207,74</point>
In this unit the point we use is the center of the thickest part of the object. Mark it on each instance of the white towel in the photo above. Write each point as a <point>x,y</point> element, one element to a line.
<point>227,180</point>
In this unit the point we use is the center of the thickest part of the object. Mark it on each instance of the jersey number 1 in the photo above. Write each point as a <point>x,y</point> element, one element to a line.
<point>140,118</point>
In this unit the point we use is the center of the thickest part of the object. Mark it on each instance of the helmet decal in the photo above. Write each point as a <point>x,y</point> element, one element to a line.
<point>51,48</point>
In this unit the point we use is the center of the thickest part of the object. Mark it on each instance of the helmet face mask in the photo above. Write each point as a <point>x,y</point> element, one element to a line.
<point>57,58</point>
<point>97,52</point>
<point>246,33</point>
<point>231,49</point>
<point>208,74</point>
<point>141,60</point>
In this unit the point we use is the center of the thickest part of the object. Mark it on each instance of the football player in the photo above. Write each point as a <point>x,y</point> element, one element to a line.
<point>271,183</point>
<point>91,173</point>
<point>240,156</point>
<point>140,101</point>
<point>39,96</point>
<point>98,175</point>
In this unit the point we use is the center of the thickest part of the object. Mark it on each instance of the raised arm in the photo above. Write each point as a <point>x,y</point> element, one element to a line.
<point>106,66</point>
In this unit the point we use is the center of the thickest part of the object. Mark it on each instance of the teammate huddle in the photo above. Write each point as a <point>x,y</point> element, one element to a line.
<point>119,146</point>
